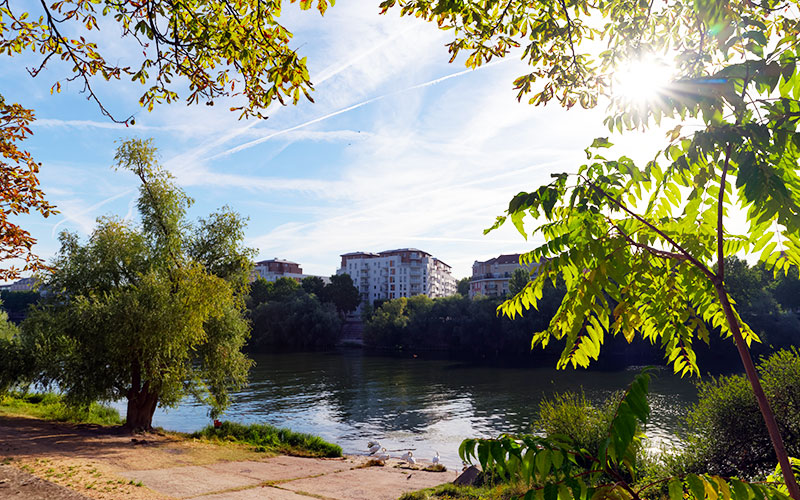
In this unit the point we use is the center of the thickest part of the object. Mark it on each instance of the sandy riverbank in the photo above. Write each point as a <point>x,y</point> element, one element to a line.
<point>106,464</point>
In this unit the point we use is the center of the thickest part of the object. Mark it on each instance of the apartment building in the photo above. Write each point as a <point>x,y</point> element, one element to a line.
<point>392,274</point>
<point>273,269</point>
<point>21,285</point>
<point>491,277</point>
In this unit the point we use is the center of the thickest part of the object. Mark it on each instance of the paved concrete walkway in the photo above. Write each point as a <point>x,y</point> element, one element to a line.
<point>290,478</point>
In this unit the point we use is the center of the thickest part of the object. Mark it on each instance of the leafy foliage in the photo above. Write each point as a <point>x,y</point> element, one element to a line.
<point>209,50</point>
<point>219,48</point>
<point>299,321</point>
<point>570,414</point>
<point>725,433</point>
<point>462,287</point>
<point>138,313</point>
<point>342,293</point>
<point>636,245</point>
<point>21,193</point>
<point>556,466</point>
<point>519,278</point>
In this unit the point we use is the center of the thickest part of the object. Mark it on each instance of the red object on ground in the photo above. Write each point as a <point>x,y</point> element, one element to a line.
<point>217,424</point>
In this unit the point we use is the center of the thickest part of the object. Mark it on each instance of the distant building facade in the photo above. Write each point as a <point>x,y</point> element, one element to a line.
<point>392,274</point>
<point>273,269</point>
<point>490,278</point>
<point>21,285</point>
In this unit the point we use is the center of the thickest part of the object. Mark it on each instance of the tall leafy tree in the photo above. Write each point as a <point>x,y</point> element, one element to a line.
<point>150,313</point>
<point>462,287</point>
<point>342,293</point>
<point>642,248</point>
<point>519,278</point>
<point>197,51</point>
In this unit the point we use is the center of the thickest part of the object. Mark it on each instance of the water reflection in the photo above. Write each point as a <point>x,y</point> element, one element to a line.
<point>411,403</point>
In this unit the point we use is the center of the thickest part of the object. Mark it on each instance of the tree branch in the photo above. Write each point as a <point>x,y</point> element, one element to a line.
<point>659,232</point>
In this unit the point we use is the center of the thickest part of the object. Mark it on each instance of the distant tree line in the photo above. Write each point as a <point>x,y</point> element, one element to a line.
<point>471,328</point>
<point>289,316</point>
<point>16,303</point>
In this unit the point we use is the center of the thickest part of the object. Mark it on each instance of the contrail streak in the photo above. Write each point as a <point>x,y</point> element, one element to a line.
<point>344,66</point>
<point>97,205</point>
<point>255,142</point>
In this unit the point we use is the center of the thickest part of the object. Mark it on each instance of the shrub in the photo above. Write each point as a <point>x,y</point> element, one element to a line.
<point>570,414</point>
<point>268,438</point>
<point>725,431</point>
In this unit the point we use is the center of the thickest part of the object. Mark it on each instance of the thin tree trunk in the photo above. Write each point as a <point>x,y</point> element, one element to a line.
<point>763,403</point>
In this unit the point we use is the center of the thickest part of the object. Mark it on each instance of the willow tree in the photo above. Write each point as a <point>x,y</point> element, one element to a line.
<point>150,313</point>
<point>195,51</point>
<point>641,248</point>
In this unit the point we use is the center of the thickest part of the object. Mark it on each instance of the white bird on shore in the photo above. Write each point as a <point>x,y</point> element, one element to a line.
<point>383,455</point>
<point>435,458</point>
<point>373,447</point>
<point>409,457</point>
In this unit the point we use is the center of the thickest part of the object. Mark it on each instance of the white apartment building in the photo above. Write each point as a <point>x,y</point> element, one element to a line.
<point>392,274</point>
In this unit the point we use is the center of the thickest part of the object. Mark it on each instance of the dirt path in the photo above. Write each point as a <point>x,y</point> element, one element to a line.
<point>106,464</point>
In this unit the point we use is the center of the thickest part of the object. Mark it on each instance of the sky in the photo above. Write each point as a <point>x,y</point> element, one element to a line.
<point>400,149</point>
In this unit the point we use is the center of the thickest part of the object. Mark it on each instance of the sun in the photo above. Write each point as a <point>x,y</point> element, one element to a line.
<point>642,81</point>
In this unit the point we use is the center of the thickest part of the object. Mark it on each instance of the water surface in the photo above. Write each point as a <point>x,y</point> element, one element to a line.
<point>425,405</point>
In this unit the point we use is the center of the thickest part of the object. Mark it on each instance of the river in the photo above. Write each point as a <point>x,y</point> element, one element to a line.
<point>349,397</point>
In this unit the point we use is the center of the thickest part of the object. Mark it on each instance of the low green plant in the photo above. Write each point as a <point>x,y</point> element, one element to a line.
<point>267,438</point>
<point>51,406</point>
<point>571,414</point>
<point>452,492</point>
<point>557,467</point>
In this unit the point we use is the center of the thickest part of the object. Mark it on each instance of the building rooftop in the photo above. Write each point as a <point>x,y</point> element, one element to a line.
<point>507,258</point>
<point>397,250</point>
<point>282,261</point>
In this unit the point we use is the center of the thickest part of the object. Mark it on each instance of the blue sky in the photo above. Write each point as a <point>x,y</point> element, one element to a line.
<point>401,149</point>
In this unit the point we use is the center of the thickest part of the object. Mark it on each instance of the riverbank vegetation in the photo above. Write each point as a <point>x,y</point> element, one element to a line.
<point>290,316</point>
<point>723,447</point>
<point>471,328</point>
<point>267,438</point>
<point>51,406</point>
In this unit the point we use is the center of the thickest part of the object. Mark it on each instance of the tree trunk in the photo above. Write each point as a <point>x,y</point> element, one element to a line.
<point>141,407</point>
<point>763,403</point>
<point>141,401</point>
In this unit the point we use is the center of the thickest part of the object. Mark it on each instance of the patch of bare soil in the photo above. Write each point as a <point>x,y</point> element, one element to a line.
<point>88,458</point>
<point>18,485</point>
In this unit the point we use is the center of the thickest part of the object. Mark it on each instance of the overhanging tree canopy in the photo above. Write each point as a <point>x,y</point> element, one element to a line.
<point>198,51</point>
<point>636,245</point>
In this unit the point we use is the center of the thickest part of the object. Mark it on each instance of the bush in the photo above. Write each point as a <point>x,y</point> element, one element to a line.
<point>725,430</point>
<point>273,439</point>
<point>570,414</point>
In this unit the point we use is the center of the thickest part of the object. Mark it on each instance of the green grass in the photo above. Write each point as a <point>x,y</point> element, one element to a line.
<point>452,492</point>
<point>267,438</point>
<point>50,406</point>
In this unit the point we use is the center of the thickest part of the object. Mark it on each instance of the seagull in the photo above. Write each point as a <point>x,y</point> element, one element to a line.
<point>409,457</point>
<point>383,455</point>
<point>373,447</point>
<point>435,458</point>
